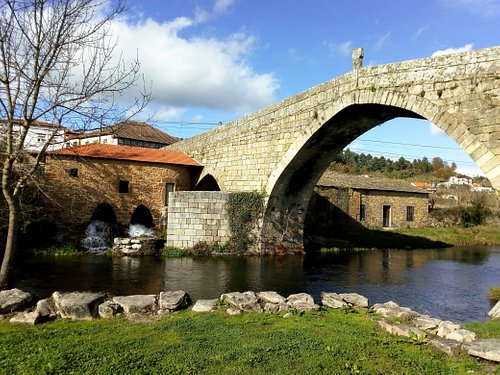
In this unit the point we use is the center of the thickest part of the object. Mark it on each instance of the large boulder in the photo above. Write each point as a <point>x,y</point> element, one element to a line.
<point>109,309</point>
<point>44,311</point>
<point>495,311</point>
<point>393,310</point>
<point>272,301</point>
<point>205,305</point>
<point>301,302</point>
<point>355,299</point>
<point>462,335</point>
<point>137,304</point>
<point>173,301</point>
<point>486,348</point>
<point>271,297</point>
<point>13,300</point>
<point>78,305</point>
<point>246,301</point>
<point>332,300</point>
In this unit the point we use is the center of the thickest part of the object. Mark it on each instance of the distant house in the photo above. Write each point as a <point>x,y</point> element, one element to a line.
<point>126,133</point>
<point>38,134</point>
<point>342,200</point>
<point>425,186</point>
<point>81,180</point>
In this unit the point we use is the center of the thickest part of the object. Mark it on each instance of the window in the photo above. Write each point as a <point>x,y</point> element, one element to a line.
<point>73,172</point>
<point>386,216</point>
<point>169,188</point>
<point>410,213</point>
<point>104,141</point>
<point>362,212</point>
<point>123,186</point>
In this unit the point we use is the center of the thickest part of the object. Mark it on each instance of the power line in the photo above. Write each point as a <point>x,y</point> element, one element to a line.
<point>409,144</point>
<point>389,154</point>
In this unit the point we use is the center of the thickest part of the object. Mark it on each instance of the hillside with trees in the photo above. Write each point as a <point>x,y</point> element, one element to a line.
<point>434,170</point>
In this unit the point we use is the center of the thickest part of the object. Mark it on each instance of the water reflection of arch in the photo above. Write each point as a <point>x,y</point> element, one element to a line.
<point>142,215</point>
<point>104,212</point>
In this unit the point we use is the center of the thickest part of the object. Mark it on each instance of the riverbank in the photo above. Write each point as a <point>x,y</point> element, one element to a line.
<point>326,341</point>
<point>482,235</point>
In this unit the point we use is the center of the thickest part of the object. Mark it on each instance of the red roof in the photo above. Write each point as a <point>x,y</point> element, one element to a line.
<point>149,155</point>
<point>140,131</point>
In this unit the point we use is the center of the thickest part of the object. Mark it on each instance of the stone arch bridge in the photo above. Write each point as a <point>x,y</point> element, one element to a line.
<point>283,149</point>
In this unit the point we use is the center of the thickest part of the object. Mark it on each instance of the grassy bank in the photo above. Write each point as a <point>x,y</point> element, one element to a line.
<point>458,236</point>
<point>330,341</point>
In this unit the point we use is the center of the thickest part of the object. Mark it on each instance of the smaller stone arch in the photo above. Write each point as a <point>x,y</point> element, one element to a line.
<point>142,215</point>
<point>104,212</point>
<point>207,183</point>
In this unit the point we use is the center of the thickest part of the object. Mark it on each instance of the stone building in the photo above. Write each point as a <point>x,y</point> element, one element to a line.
<point>119,181</point>
<point>345,201</point>
<point>126,133</point>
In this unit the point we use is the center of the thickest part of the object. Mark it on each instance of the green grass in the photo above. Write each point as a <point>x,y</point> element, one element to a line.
<point>487,330</point>
<point>458,236</point>
<point>332,342</point>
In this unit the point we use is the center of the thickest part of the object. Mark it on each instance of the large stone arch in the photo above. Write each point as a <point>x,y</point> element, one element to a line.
<point>292,181</point>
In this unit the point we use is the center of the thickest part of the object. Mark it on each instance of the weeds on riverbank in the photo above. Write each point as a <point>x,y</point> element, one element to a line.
<point>494,294</point>
<point>330,341</point>
<point>67,249</point>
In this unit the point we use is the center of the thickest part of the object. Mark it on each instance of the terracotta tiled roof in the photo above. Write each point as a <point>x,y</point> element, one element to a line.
<point>333,179</point>
<point>139,131</point>
<point>149,155</point>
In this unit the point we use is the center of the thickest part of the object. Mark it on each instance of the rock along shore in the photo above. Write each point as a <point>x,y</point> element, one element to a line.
<point>446,336</point>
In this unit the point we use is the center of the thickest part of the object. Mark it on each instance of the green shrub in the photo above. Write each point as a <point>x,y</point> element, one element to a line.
<point>245,209</point>
<point>67,249</point>
<point>173,252</point>
<point>494,294</point>
<point>475,214</point>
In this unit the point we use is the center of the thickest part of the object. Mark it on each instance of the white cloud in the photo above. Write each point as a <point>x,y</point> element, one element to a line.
<point>483,8</point>
<point>344,48</point>
<point>222,6</point>
<point>420,31</point>
<point>199,71</point>
<point>465,48</point>
<point>434,130</point>
<point>382,41</point>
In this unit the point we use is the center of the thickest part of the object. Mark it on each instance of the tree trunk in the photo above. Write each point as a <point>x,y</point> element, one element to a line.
<point>10,244</point>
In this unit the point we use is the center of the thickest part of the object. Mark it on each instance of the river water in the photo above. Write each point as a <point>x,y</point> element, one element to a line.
<point>447,283</point>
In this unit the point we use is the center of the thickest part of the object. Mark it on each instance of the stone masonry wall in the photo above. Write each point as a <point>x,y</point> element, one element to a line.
<point>398,201</point>
<point>197,216</point>
<point>74,199</point>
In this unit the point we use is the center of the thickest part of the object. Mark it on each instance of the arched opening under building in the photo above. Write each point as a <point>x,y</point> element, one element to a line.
<point>141,222</point>
<point>207,183</point>
<point>99,234</point>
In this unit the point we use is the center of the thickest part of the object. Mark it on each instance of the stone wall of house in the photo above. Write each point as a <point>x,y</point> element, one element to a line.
<point>197,216</point>
<point>73,199</point>
<point>398,201</point>
<point>336,209</point>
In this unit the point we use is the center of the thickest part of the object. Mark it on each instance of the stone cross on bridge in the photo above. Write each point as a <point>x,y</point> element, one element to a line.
<point>283,149</point>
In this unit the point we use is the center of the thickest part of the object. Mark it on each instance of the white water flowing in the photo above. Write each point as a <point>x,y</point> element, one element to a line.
<point>137,230</point>
<point>98,236</point>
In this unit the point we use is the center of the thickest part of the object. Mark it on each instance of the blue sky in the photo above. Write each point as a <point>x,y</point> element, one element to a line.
<point>211,61</point>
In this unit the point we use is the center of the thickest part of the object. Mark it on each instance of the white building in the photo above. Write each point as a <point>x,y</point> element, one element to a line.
<point>38,134</point>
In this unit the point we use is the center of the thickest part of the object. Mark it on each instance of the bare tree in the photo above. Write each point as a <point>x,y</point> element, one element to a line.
<point>58,64</point>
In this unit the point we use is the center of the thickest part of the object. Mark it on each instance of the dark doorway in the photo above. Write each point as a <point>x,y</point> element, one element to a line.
<point>386,216</point>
